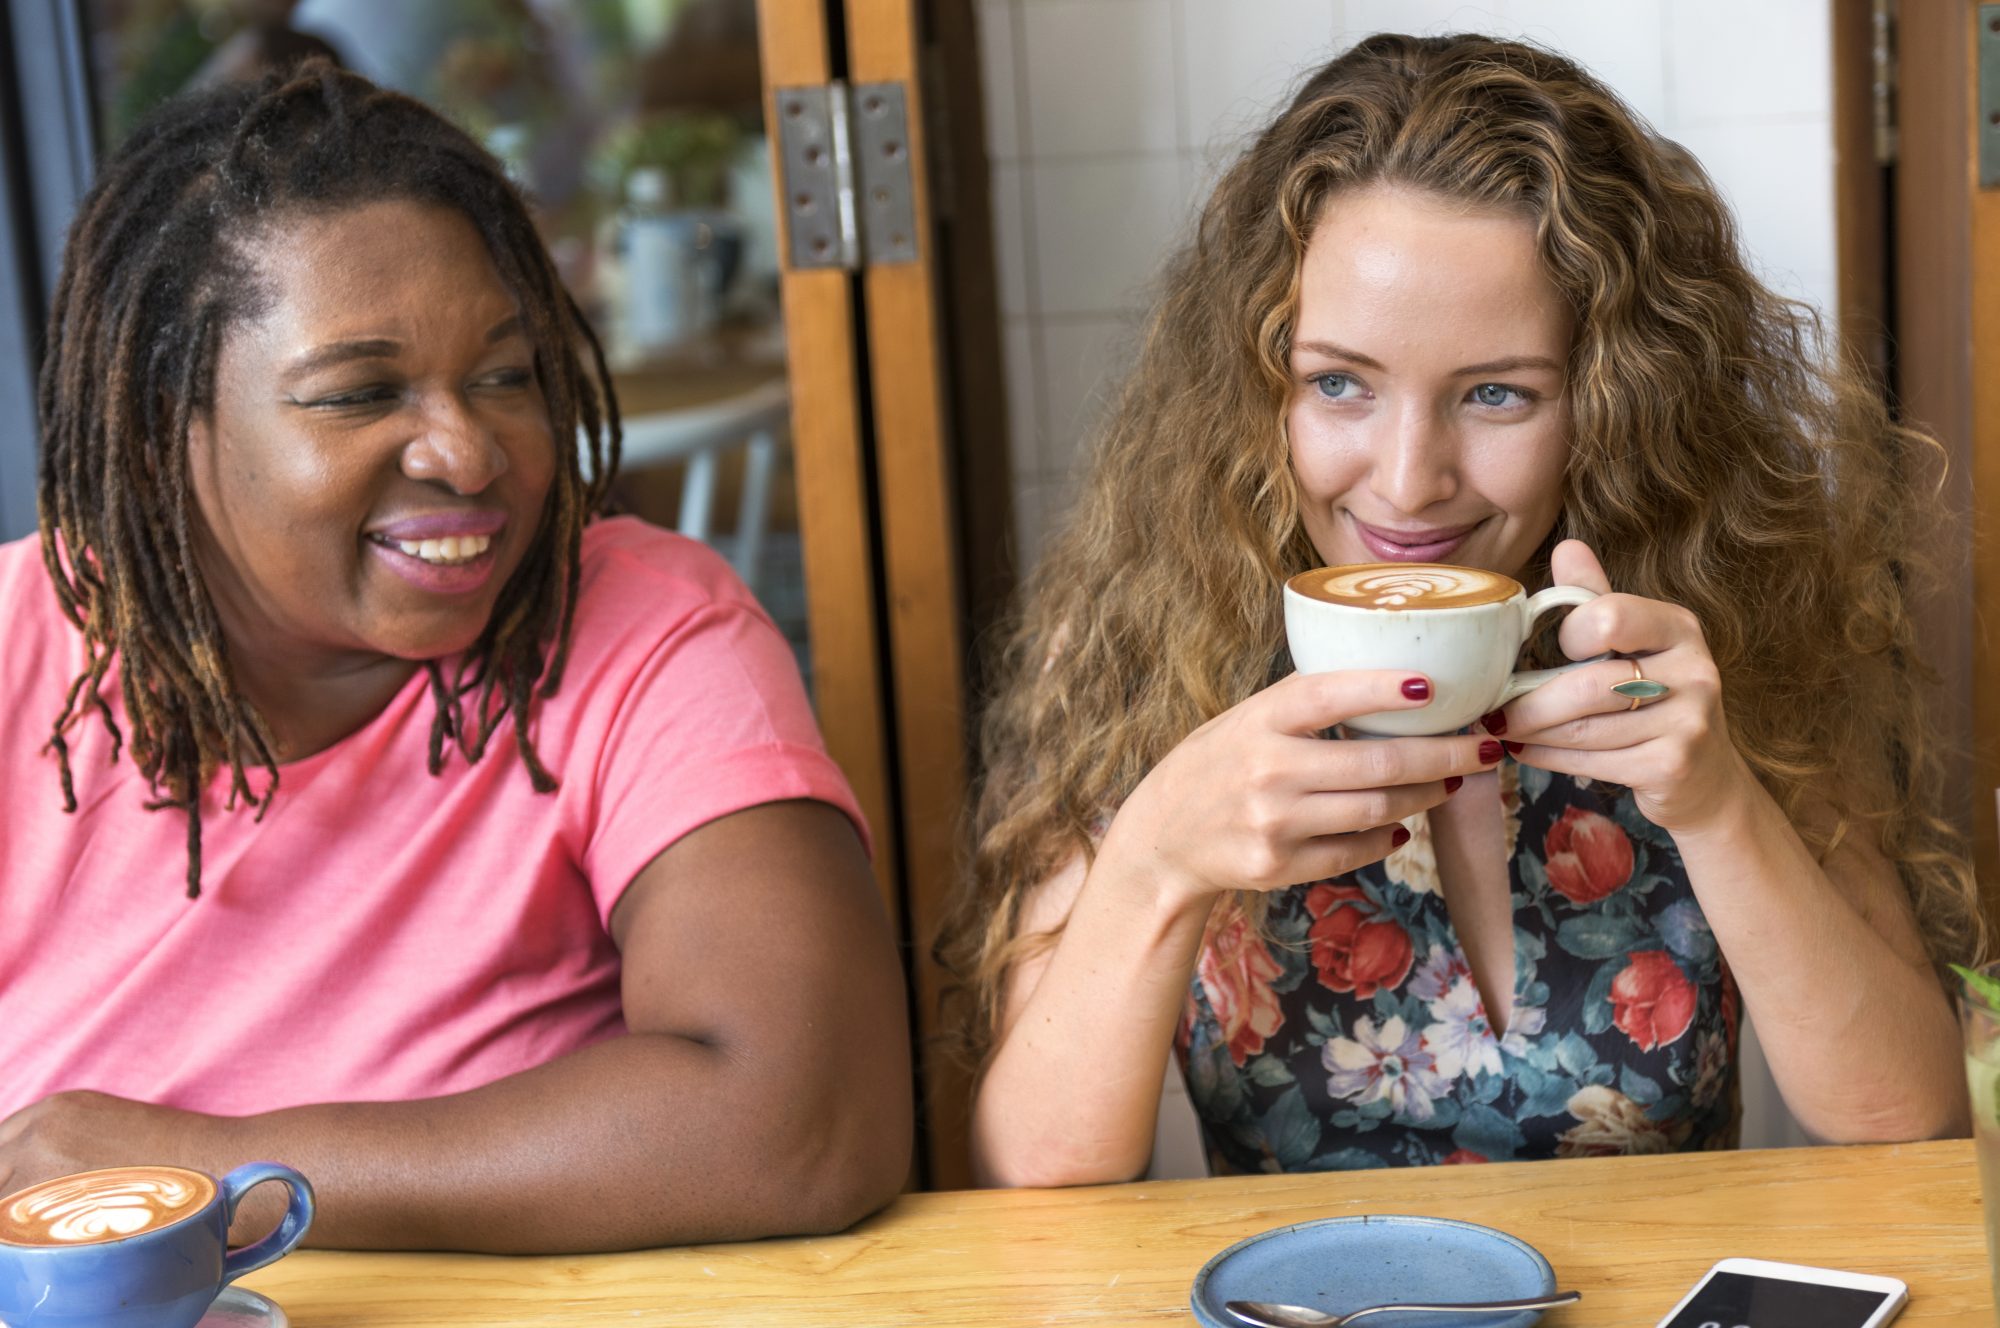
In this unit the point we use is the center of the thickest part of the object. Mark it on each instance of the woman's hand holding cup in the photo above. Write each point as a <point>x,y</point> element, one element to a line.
<point>1673,750</point>
<point>1255,799</point>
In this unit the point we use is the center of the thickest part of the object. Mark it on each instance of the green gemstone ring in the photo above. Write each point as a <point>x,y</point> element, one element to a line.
<point>1640,689</point>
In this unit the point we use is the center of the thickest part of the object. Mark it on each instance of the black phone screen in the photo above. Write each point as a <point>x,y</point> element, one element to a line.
<point>1734,1300</point>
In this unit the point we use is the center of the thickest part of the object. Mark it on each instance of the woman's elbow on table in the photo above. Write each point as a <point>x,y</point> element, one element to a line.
<point>1031,1175</point>
<point>789,982</point>
<point>832,1138</point>
<point>835,1159</point>
<point>1909,1124</point>
<point>1045,1165</point>
<point>856,1183</point>
<point>1887,1112</point>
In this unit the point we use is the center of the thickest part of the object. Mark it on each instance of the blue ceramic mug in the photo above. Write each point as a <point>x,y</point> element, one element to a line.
<point>133,1247</point>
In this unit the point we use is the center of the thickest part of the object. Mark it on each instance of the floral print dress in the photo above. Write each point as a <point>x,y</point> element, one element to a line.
<point>1352,1035</point>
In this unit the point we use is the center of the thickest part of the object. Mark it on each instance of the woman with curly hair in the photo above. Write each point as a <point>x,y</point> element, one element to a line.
<point>370,802</point>
<point>1458,304</point>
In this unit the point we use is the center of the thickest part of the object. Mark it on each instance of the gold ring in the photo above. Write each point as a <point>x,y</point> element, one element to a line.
<point>1639,689</point>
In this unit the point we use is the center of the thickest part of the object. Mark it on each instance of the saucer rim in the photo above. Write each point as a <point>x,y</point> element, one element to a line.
<point>1203,1313</point>
<point>273,1313</point>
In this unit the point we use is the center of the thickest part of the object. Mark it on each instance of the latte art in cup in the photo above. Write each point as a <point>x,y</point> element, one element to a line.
<point>135,1246</point>
<point>99,1206</point>
<point>1460,627</point>
<point>1406,586</point>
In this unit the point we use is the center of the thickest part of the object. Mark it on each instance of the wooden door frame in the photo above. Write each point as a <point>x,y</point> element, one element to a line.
<point>1943,313</point>
<point>976,399</point>
<point>1861,191</point>
<point>835,526</point>
<point>920,555</point>
<point>883,502</point>
<point>981,481</point>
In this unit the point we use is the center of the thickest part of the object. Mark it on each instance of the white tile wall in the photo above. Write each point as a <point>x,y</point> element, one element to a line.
<point>1108,119</point>
<point>1775,174</point>
<point>1735,61</point>
<point>1101,226</point>
<point>1011,236</point>
<point>1102,77</point>
<point>996,59</point>
<point>1621,43</point>
<point>1426,17</point>
<point>1081,364</point>
<point>1018,344</point>
<point>1241,62</point>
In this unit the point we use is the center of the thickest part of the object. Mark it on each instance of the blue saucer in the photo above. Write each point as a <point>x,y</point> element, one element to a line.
<point>1340,1264</point>
<point>240,1307</point>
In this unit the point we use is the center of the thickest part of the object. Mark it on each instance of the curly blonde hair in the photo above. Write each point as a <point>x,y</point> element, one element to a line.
<point>1717,462</point>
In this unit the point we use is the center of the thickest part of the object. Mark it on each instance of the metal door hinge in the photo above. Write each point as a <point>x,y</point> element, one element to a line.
<point>844,165</point>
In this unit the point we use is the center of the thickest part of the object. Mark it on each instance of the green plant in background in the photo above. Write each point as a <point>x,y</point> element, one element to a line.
<point>607,47</point>
<point>694,148</point>
<point>647,21</point>
<point>492,66</point>
<point>159,46</point>
<point>1980,984</point>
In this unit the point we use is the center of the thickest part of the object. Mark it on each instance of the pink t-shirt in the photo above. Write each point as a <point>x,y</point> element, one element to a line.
<point>383,934</point>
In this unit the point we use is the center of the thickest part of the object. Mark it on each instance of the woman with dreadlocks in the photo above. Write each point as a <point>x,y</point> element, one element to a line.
<point>368,803</point>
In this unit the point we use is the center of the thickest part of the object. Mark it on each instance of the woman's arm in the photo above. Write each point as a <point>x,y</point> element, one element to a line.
<point>1860,1035</point>
<point>1071,1093</point>
<point>1252,800</point>
<point>764,1089</point>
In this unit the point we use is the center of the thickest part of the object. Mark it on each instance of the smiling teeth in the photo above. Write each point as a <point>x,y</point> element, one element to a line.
<point>451,549</point>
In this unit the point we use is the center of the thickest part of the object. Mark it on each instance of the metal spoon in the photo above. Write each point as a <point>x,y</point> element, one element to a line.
<point>1266,1315</point>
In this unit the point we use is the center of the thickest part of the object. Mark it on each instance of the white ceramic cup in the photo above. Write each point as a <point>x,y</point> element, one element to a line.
<point>1467,652</point>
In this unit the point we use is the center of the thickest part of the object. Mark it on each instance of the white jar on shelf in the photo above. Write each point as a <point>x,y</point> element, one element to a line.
<point>663,298</point>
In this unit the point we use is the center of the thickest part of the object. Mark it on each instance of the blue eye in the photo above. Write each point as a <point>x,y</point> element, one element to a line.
<point>1497,394</point>
<point>1334,386</point>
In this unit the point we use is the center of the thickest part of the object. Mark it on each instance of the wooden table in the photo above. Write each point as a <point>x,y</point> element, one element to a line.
<point>1631,1233</point>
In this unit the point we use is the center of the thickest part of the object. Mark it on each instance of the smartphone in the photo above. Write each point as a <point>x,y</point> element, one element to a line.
<point>1754,1293</point>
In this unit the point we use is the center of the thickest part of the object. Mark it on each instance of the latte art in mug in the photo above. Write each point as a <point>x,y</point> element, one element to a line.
<point>1460,627</point>
<point>99,1206</point>
<point>1406,586</point>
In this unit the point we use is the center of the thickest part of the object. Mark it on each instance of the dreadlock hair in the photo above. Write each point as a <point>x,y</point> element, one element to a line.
<point>154,276</point>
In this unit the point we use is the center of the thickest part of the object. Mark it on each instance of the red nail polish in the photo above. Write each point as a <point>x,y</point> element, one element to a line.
<point>1489,752</point>
<point>1399,836</point>
<point>1513,747</point>
<point>1417,689</point>
<point>1452,783</point>
<point>1495,723</point>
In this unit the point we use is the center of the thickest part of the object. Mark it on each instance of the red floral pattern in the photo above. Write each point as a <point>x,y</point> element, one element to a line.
<point>1353,947</point>
<point>1236,973</point>
<point>1346,1030</point>
<point>1652,1002</point>
<point>1588,856</point>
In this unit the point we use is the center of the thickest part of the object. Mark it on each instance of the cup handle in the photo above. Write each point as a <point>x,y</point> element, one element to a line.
<point>1555,597</point>
<point>298,1216</point>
